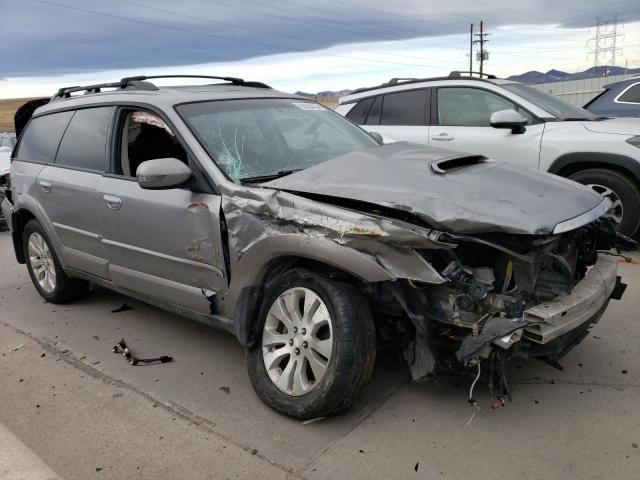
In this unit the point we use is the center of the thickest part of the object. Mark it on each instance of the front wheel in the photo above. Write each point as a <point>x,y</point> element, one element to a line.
<point>316,347</point>
<point>621,191</point>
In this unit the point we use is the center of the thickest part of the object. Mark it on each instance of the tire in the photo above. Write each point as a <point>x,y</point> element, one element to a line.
<point>352,340</point>
<point>63,289</point>
<point>615,185</point>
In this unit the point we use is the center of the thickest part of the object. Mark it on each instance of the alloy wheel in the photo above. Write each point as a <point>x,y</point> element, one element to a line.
<point>616,209</point>
<point>42,263</point>
<point>297,341</point>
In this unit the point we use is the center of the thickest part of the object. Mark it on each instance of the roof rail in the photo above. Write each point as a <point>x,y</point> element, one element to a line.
<point>139,83</point>
<point>458,73</point>
<point>396,80</point>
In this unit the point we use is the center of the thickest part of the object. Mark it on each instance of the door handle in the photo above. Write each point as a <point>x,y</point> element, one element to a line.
<point>443,137</point>
<point>113,203</point>
<point>45,186</point>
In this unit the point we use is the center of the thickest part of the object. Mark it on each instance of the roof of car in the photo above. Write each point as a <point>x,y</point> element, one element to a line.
<point>398,82</point>
<point>162,96</point>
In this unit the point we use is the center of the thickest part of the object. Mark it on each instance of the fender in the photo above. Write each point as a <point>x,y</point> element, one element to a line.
<point>245,292</point>
<point>597,159</point>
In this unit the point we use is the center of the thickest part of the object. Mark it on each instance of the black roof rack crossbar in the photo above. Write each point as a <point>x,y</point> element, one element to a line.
<point>234,80</point>
<point>66,92</point>
<point>458,73</point>
<point>139,83</point>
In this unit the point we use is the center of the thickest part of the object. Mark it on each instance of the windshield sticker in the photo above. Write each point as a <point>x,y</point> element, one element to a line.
<point>309,106</point>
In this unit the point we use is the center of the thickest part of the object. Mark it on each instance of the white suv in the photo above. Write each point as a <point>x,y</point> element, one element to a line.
<point>510,121</point>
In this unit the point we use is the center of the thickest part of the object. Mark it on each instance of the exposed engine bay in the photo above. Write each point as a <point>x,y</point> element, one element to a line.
<point>487,311</point>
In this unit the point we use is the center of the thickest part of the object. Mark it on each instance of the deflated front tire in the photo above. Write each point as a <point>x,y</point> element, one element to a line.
<point>316,347</point>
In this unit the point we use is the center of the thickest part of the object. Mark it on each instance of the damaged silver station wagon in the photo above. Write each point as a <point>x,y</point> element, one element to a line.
<point>278,220</point>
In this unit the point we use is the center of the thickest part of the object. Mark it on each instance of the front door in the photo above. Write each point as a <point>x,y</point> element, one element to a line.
<point>462,124</point>
<point>160,243</point>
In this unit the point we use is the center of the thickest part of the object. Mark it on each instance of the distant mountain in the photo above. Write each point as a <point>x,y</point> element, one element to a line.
<point>553,75</point>
<point>326,93</point>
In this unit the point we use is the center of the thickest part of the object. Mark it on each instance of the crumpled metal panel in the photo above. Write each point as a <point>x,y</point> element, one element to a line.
<point>486,197</point>
<point>253,215</point>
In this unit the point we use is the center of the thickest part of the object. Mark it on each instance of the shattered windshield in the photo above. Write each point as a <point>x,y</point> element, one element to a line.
<point>257,138</point>
<point>554,105</point>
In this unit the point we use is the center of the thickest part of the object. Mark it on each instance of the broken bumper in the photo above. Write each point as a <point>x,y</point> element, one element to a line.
<point>584,305</point>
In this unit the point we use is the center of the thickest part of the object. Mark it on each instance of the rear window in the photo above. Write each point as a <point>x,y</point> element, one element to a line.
<point>631,95</point>
<point>404,108</point>
<point>41,138</point>
<point>84,144</point>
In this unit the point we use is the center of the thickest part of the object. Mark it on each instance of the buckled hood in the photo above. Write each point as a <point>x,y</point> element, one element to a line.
<point>451,192</point>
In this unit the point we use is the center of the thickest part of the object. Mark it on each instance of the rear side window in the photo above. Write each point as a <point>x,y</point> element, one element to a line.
<point>632,95</point>
<point>40,140</point>
<point>84,144</point>
<point>404,108</point>
<point>358,114</point>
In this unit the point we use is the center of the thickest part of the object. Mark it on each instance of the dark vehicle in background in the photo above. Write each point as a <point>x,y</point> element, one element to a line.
<point>619,99</point>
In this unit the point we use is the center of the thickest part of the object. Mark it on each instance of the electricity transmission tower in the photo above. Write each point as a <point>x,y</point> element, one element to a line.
<point>605,49</point>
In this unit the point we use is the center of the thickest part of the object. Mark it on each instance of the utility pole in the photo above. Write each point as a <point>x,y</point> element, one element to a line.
<point>605,49</point>
<point>483,55</point>
<point>471,50</point>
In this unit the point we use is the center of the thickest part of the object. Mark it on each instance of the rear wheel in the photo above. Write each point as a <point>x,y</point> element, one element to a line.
<point>45,270</point>
<point>317,346</point>
<point>620,191</point>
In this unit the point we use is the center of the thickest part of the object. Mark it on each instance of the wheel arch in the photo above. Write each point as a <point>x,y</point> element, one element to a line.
<point>274,255</point>
<point>570,163</point>
<point>19,220</point>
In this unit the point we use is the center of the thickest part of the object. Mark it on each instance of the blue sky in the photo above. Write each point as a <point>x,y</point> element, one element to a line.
<point>293,44</point>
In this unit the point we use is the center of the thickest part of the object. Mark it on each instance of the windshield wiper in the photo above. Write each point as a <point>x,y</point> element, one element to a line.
<point>577,119</point>
<point>271,176</point>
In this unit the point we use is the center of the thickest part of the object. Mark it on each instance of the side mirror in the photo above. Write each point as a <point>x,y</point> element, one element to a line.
<point>509,119</point>
<point>5,149</point>
<point>162,173</point>
<point>377,137</point>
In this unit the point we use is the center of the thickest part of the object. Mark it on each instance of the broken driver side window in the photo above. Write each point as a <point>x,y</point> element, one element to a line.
<point>145,136</point>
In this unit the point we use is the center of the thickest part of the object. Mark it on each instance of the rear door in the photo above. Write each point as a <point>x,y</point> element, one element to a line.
<point>460,121</point>
<point>67,189</point>
<point>398,115</point>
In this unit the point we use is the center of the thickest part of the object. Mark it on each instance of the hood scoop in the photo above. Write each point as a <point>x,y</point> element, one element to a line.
<point>447,165</point>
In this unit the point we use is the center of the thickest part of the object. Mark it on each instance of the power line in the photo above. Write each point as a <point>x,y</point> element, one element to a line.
<point>250,29</point>
<point>223,37</point>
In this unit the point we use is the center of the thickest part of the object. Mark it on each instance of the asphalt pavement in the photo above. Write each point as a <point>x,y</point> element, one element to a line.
<point>86,413</point>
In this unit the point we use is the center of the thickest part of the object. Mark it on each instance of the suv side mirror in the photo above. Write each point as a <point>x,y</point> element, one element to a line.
<point>162,173</point>
<point>508,119</point>
<point>377,137</point>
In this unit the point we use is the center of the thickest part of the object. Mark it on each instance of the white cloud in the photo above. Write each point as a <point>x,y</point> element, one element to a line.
<point>513,49</point>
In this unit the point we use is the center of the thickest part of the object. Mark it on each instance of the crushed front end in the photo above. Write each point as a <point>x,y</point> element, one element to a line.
<point>506,296</point>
